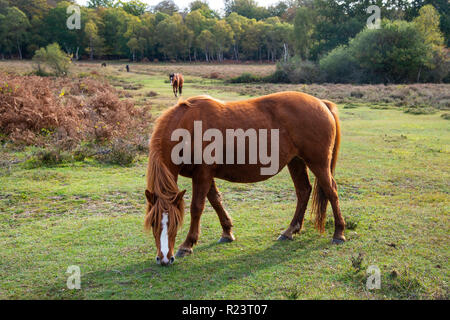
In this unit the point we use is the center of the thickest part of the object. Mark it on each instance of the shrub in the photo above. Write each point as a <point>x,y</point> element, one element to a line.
<point>214,75</point>
<point>420,109</point>
<point>339,66</point>
<point>299,71</point>
<point>53,57</point>
<point>35,110</point>
<point>295,70</point>
<point>47,157</point>
<point>83,151</point>
<point>394,53</point>
<point>152,94</point>
<point>246,78</point>
<point>120,153</point>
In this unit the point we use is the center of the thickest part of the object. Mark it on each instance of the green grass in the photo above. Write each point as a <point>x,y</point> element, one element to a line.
<point>393,178</point>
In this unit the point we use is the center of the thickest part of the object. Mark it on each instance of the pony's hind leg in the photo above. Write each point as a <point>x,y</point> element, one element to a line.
<point>326,190</point>
<point>299,175</point>
<point>225,220</point>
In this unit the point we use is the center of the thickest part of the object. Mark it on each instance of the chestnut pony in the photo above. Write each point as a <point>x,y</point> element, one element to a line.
<point>176,81</point>
<point>309,137</point>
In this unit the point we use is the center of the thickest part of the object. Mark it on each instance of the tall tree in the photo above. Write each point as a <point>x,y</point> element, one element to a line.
<point>428,23</point>
<point>167,6</point>
<point>32,8</point>
<point>206,38</point>
<point>304,24</point>
<point>100,3</point>
<point>246,8</point>
<point>94,41</point>
<point>16,24</point>
<point>134,7</point>
<point>223,35</point>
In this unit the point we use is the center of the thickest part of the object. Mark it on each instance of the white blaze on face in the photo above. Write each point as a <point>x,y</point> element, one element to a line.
<point>164,239</point>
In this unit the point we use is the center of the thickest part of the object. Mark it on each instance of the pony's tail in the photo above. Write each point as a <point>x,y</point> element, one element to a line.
<point>319,199</point>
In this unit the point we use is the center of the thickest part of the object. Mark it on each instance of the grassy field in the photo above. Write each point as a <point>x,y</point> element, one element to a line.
<point>393,178</point>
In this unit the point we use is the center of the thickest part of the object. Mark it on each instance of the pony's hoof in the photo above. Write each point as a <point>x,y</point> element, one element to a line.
<point>337,241</point>
<point>282,237</point>
<point>183,253</point>
<point>225,240</point>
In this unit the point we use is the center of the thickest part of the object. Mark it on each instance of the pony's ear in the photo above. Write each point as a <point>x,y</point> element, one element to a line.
<point>151,197</point>
<point>179,197</point>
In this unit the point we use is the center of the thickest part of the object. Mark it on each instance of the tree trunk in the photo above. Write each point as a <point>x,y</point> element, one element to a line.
<point>418,74</point>
<point>91,49</point>
<point>20,50</point>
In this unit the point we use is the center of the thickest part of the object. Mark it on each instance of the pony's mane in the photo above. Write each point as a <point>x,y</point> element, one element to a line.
<point>161,182</point>
<point>194,101</point>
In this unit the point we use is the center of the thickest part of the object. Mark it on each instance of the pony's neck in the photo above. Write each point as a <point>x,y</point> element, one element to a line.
<point>159,178</point>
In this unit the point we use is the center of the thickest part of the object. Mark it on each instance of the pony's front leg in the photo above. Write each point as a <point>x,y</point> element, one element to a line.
<point>201,183</point>
<point>175,91</point>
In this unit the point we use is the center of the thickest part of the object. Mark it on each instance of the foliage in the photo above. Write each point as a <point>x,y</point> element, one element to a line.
<point>298,70</point>
<point>340,66</point>
<point>48,157</point>
<point>397,52</point>
<point>394,53</point>
<point>66,110</point>
<point>53,57</point>
<point>246,78</point>
<point>119,152</point>
<point>311,29</point>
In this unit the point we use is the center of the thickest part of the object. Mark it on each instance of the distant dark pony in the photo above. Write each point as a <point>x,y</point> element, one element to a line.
<point>176,81</point>
<point>309,137</point>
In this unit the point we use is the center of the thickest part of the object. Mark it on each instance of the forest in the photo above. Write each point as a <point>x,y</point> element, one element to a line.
<point>329,35</point>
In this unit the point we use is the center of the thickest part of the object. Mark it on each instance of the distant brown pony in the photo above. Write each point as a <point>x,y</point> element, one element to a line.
<point>176,81</point>
<point>309,137</point>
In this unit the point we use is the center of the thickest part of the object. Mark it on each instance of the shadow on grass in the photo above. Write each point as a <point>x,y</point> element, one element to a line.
<point>196,276</point>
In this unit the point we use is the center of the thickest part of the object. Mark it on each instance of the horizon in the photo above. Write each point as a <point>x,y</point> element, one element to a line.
<point>215,5</point>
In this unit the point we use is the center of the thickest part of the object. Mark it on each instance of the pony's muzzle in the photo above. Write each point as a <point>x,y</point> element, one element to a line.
<point>163,262</point>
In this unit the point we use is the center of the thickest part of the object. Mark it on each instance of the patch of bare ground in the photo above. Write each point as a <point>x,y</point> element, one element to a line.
<point>211,71</point>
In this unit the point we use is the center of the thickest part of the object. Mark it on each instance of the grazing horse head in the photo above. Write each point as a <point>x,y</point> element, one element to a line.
<point>171,77</point>
<point>164,217</point>
<point>165,209</point>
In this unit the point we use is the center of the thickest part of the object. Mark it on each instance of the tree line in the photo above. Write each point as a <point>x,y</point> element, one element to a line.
<point>111,29</point>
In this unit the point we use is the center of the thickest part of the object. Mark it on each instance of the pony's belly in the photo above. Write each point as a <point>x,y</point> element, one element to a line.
<point>242,173</point>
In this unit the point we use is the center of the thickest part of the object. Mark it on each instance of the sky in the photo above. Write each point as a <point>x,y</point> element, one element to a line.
<point>214,4</point>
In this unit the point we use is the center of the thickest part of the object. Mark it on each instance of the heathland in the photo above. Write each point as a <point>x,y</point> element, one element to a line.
<point>82,202</point>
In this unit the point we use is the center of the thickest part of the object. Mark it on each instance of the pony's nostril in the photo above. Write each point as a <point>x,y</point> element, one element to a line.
<point>172,259</point>
<point>158,260</point>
